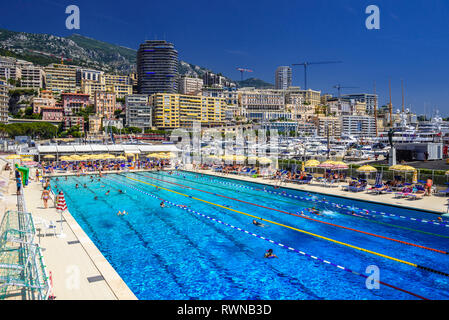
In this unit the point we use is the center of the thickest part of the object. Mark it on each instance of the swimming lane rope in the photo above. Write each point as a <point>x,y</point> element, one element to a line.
<point>362,211</point>
<point>299,230</point>
<point>269,240</point>
<point>304,217</point>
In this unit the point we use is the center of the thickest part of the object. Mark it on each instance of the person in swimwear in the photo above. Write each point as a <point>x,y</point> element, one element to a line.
<point>45,196</point>
<point>162,205</point>
<point>120,191</point>
<point>96,198</point>
<point>76,186</point>
<point>107,192</point>
<point>315,211</point>
<point>85,186</point>
<point>269,254</point>
<point>258,224</point>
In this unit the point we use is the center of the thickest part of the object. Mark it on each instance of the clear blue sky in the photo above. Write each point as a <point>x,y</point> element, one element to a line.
<point>412,43</point>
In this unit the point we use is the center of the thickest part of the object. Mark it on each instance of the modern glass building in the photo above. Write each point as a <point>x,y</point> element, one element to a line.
<point>157,67</point>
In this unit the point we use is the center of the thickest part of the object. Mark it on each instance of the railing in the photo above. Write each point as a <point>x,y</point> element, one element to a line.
<point>22,266</point>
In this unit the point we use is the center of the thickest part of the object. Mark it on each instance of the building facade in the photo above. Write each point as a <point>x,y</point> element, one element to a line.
<point>359,126</point>
<point>283,77</point>
<point>32,77</point>
<point>60,78</point>
<point>4,101</point>
<point>74,102</point>
<point>370,99</point>
<point>175,110</point>
<point>157,67</point>
<point>189,85</point>
<point>105,104</point>
<point>139,112</point>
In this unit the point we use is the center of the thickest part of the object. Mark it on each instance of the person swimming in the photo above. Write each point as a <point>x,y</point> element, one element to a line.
<point>85,186</point>
<point>258,224</point>
<point>269,254</point>
<point>77,186</point>
<point>107,192</point>
<point>162,205</point>
<point>120,191</point>
<point>96,198</point>
<point>314,211</point>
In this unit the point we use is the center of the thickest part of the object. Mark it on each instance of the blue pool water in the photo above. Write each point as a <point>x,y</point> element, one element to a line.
<point>173,253</point>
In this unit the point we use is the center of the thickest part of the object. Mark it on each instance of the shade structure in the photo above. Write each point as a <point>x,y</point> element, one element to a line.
<point>13,156</point>
<point>402,168</point>
<point>120,158</point>
<point>49,156</point>
<point>65,158</point>
<point>26,159</point>
<point>366,169</point>
<point>264,160</point>
<point>329,164</point>
<point>312,164</point>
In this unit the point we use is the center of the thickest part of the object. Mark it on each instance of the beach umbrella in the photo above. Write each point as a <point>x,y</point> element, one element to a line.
<point>329,164</point>
<point>312,164</point>
<point>13,156</point>
<point>120,158</point>
<point>402,168</point>
<point>366,169</point>
<point>239,158</point>
<point>447,173</point>
<point>264,160</point>
<point>49,156</point>
<point>65,158</point>
<point>26,159</point>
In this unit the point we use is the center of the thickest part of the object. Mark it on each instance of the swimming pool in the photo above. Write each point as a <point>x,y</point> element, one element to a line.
<point>210,249</point>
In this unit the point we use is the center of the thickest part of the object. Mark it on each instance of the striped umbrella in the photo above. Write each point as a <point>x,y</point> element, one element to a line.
<point>61,205</point>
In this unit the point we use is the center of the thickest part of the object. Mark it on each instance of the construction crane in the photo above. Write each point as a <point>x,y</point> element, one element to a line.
<point>339,87</point>
<point>242,70</point>
<point>306,64</point>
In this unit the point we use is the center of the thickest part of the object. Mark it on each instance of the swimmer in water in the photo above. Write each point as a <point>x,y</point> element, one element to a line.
<point>162,205</point>
<point>96,198</point>
<point>258,224</point>
<point>440,219</point>
<point>107,192</point>
<point>119,213</point>
<point>269,254</point>
<point>120,191</point>
<point>76,186</point>
<point>315,211</point>
<point>85,185</point>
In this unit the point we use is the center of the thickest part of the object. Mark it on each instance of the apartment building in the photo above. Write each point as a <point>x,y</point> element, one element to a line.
<point>4,101</point>
<point>359,126</point>
<point>74,102</point>
<point>328,126</point>
<point>60,78</point>
<point>283,77</point>
<point>189,85</point>
<point>105,104</point>
<point>371,100</point>
<point>175,110</point>
<point>32,77</point>
<point>139,112</point>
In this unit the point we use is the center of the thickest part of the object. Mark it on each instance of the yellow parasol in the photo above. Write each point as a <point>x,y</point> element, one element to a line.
<point>120,158</point>
<point>366,169</point>
<point>13,156</point>
<point>49,156</point>
<point>264,160</point>
<point>312,164</point>
<point>402,168</point>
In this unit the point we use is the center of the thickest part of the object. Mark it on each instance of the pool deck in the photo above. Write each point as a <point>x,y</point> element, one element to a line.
<point>79,270</point>
<point>433,204</point>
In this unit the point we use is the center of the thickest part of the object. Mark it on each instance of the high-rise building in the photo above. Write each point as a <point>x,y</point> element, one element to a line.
<point>4,99</point>
<point>60,78</point>
<point>74,102</point>
<point>283,77</point>
<point>138,111</point>
<point>157,67</point>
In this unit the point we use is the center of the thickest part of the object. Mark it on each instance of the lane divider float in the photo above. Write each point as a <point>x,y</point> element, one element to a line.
<point>300,230</point>
<point>313,257</point>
